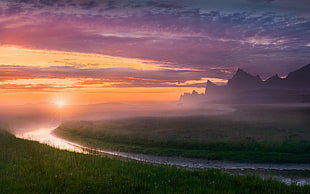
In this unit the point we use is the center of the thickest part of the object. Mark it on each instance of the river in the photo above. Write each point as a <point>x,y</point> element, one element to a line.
<point>288,173</point>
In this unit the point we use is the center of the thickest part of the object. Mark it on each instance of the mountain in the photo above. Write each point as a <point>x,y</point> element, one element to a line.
<point>244,80</point>
<point>192,98</point>
<point>274,80</point>
<point>299,78</point>
<point>246,88</point>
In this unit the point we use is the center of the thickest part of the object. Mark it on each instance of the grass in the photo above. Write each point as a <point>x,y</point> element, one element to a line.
<point>30,167</point>
<point>251,134</point>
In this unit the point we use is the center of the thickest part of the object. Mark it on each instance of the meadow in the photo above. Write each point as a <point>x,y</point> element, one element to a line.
<point>252,133</point>
<point>30,167</point>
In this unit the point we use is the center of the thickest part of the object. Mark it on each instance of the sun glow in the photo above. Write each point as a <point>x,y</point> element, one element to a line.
<point>60,103</point>
<point>40,75</point>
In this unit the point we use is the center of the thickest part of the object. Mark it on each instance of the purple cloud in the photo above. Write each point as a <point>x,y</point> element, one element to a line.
<point>264,37</point>
<point>118,77</point>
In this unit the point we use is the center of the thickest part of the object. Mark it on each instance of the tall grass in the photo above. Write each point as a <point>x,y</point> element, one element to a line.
<point>30,167</point>
<point>244,136</point>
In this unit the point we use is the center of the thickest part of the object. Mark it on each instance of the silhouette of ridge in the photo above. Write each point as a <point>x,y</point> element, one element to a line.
<point>299,78</point>
<point>242,80</point>
<point>246,88</point>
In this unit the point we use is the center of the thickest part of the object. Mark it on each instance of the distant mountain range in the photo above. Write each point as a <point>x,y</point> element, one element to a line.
<point>246,88</point>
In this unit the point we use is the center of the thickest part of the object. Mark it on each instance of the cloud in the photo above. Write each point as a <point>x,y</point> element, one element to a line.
<point>164,4</point>
<point>88,4</point>
<point>200,34</point>
<point>15,77</point>
<point>261,0</point>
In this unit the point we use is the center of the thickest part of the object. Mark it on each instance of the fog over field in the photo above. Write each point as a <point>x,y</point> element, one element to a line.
<point>31,116</point>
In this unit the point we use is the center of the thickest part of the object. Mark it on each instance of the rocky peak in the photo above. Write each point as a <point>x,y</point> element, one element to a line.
<point>273,81</point>
<point>241,74</point>
<point>243,79</point>
<point>194,92</point>
<point>300,77</point>
<point>210,86</point>
<point>273,78</point>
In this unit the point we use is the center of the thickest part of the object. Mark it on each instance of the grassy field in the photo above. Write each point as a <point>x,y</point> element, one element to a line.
<point>30,167</point>
<point>267,133</point>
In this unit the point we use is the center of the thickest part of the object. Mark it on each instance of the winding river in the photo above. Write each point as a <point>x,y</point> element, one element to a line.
<point>46,136</point>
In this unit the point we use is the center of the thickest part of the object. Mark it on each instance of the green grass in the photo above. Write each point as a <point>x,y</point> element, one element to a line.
<point>30,167</point>
<point>252,134</point>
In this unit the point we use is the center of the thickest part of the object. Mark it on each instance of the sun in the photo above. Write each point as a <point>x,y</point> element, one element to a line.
<point>59,100</point>
<point>60,103</point>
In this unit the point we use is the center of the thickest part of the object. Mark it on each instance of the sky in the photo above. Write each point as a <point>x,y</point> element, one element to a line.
<point>91,51</point>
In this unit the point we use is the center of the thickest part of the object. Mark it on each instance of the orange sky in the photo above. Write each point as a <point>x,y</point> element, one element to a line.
<point>32,76</point>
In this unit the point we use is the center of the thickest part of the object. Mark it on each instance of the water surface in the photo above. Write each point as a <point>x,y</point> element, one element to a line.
<point>288,173</point>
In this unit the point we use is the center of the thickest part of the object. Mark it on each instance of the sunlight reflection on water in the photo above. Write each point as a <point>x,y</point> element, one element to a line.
<point>45,136</point>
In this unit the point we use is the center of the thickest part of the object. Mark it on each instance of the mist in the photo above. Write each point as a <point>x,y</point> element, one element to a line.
<point>23,118</point>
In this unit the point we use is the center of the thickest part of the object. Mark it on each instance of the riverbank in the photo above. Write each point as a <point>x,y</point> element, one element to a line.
<point>288,173</point>
<point>29,167</point>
